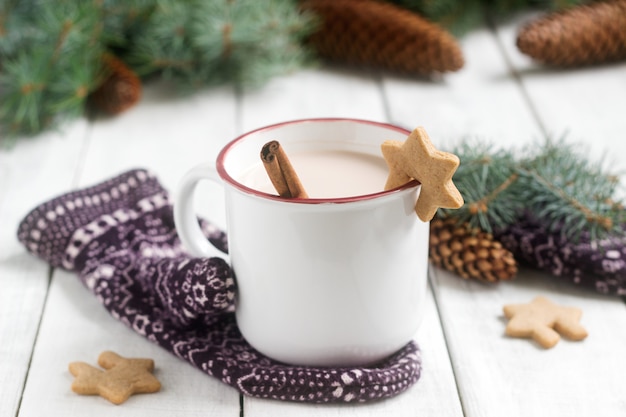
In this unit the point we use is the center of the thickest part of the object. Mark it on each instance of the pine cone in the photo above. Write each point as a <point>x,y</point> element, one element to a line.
<point>369,32</point>
<point>584,35</point>
<point>120,90</point>
<point>471,253</point>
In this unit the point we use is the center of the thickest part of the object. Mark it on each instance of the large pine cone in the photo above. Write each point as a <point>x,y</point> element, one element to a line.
<point>588,34</point>
<point>471,253</point>
<point>378,34</point>
<point>120,90</point>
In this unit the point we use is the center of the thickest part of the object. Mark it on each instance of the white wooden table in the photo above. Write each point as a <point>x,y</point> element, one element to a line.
<point>48,319</point>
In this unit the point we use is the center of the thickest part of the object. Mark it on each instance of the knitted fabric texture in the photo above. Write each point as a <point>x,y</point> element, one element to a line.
<point>599,265</point>
<point>119,236</point>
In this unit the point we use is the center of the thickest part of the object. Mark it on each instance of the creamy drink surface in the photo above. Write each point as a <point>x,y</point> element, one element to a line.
<point>327,174</point>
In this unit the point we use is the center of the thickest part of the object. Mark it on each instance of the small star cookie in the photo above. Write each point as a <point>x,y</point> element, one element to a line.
<point>417,158</point>
<point>543,320</point>
<point>122,377</point>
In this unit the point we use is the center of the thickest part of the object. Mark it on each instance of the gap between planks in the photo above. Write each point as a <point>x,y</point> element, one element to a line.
<point>32,350</point>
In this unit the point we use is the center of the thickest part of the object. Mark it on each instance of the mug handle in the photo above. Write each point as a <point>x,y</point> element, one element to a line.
<point>185,218</point>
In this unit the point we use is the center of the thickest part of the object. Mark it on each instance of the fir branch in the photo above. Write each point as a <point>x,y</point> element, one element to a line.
<point>580,214</point>
<point>23,82</point>
<point>18,29</point>
<point>63,34</point>
<point>214,42</point>
<point>49,80</point>
<point>557,4</point>
<point>455,15</point>
<point>569,191</point>
<point>122,19</point>
<point>483,204</point>
<point>487,179</point>
<point>555,181</point>
<point>459,16</point>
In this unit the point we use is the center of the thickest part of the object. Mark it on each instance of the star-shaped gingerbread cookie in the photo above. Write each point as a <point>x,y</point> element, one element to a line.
<point>122,377</point>
<point>543,320</point>
<point>416,158</point>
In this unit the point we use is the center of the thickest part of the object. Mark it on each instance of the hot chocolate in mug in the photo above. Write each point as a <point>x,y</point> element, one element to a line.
<point>338,279</point>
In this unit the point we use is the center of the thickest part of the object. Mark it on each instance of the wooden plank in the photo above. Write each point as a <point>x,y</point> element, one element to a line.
<point>587,105</point>
<point>499,375</point>
<point>482,100</point>
<point>334,93</point>
<point>168,135</point>
<point>34,170</point>
<point>313,93</point>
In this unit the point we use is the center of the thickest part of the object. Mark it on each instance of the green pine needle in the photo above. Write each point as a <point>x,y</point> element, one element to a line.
<point>459,16</point>
<point>554,180</point>
<point>208,42</point>
<point>562,185</point>
<point>51,51</point>
<point>49,77</point>
<point>486,179</point>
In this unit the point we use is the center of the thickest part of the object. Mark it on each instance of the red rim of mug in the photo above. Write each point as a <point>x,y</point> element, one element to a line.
<point>230,180</point>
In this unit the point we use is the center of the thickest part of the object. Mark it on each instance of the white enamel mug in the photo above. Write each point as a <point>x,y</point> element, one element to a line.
<point>324,282</point>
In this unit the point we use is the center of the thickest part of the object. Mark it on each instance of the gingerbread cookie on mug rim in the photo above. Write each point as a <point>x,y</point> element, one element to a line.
<point>418,159</point>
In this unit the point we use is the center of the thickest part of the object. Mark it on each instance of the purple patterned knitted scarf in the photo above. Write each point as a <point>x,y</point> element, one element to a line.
<point>599,265</point>
<point>119,236</point>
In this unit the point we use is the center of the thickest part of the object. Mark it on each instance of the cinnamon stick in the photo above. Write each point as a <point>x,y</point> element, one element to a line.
<point>281,172</point>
